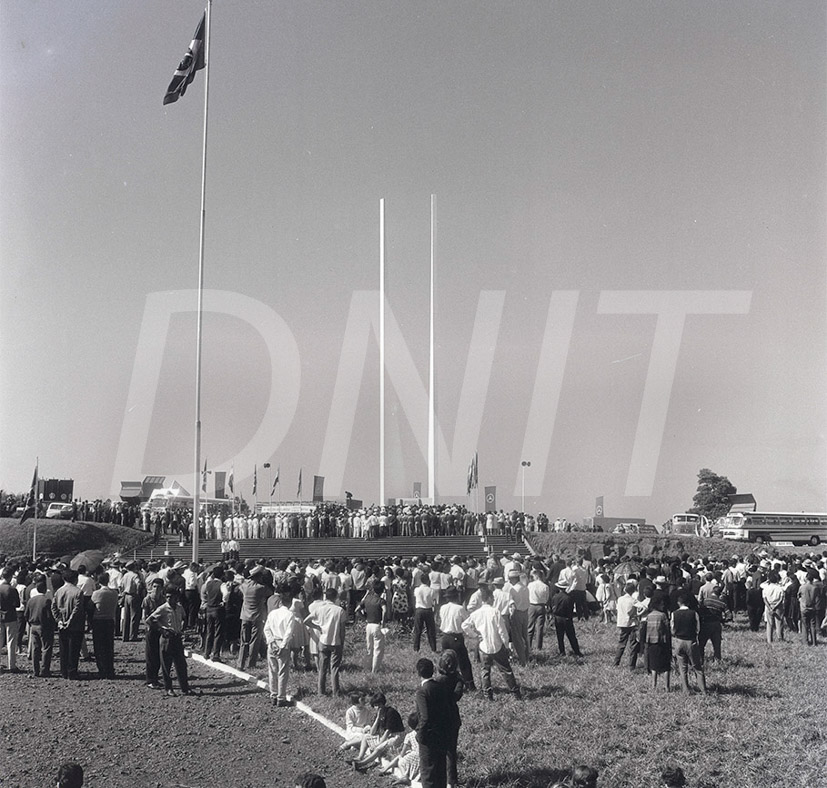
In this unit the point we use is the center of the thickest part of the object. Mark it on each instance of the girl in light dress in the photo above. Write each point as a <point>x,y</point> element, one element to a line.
<point>606,595</point>
<point>358,722</point>
<point>405,766</point>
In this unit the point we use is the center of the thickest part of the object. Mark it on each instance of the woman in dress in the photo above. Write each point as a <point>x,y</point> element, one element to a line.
<point>658,642</point>
<point>400,608</point>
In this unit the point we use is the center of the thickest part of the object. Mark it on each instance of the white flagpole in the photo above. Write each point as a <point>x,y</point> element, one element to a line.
<point>382,352</point>
<point>431,397</point>
<point>196,508</point>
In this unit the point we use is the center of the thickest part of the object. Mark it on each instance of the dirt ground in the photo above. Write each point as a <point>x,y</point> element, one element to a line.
<point>126,735</point>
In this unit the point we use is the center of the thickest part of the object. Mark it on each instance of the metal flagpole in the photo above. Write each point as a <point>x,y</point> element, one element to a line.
<point>196,509</point>
<point>382,352</point>
<point>431,397</point>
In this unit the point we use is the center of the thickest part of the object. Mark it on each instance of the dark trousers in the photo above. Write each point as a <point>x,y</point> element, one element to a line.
<point>565,628</point>
<point>536,626</point>
<point>43,639</point>
<point>330,660</point>
<point>250,644</point>
<point>423,617</point>
<point>710,631</point>
<point>457,643</point>
<point>172,655</point>
<point>755,608</point>
<point>627,635</point>
<point>500,659</point>
<point>811,619</point>
<point>581,604</point>
<point>213,633</point>
<point>192,604</point>
<point>103,639</point>
<point>152,654</point>
<point>433,766</point>
<point>70,641</point>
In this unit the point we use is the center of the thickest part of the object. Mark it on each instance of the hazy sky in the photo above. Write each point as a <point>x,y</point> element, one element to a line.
<point>618,162</point>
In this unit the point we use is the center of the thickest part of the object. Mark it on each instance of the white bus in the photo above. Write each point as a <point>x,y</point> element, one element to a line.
<point>796,527</point>
<point>689,523</point>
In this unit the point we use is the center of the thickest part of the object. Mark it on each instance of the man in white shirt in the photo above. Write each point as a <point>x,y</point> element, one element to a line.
<point>424,604</point>
<point>280,632</point>
<point>451,617</point>
<point>486,622</point>
<point>519,615</point>
<point>538,594</point>
<point>329,619</point>
<point>627,625</point>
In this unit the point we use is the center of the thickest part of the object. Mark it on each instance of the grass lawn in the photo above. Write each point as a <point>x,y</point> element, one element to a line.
<point>761,725</point>
<point>62,537</point>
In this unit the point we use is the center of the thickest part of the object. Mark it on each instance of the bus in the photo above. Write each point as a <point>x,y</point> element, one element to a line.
<point>689,523</point>
<point>796,527</point>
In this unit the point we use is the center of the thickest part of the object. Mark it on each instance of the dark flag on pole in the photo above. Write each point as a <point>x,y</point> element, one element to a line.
<point>318,489</point>
<point>255,479</point>
<point>193,61</point>
<point>276,480</point>
<point>473,474</point>
<point>231,479</point>
<point>204,478</point>
<point>31,501</point>
<point>299,490</point>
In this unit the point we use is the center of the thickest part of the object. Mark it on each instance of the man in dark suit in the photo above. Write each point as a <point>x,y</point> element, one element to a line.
<point>69,611</point>
<point>433,705</point>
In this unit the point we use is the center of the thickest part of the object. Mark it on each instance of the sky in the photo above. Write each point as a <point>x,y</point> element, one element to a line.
<point>629,248</point>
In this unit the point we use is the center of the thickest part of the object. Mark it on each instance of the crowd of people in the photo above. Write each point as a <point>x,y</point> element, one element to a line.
<point>473,615</point>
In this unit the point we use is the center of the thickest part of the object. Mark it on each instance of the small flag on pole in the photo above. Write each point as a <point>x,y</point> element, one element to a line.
<point>230,480</point>
<point>276,480</point>
<point>193,61</point>
<point>204,478</point>
<point>31,501</point>
<point>473,474</point>
<point>299,491</point>
<point>255,479</point>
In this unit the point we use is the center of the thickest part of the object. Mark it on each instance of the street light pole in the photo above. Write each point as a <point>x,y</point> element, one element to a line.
<point>525,464</point>
<point>269,486</point>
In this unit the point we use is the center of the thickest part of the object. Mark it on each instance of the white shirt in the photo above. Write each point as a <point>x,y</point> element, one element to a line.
<point>280,627</point>
<point>451,618</point>
<point>425,597</point>
<point>489,625</point>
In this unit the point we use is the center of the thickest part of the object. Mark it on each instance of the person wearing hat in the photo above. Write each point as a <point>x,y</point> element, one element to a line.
<point>561,606</point>
<point>152,636</point>
<point>255,594</point>
<point>519,615</point>
<point>132,592</point>
<point>169,618</point>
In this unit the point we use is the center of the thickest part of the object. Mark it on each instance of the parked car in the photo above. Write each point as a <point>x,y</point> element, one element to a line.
<point>59,511</point>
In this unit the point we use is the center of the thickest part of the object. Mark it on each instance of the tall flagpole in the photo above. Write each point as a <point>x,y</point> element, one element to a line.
<point>34,519</point>
<point>196,508</point>
<point>382,352</point>
<point>431,398</point>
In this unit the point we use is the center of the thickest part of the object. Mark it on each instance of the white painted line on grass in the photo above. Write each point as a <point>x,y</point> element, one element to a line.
<point>223,667</point>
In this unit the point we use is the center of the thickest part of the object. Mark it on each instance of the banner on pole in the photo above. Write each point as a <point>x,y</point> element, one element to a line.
<point>318,489</point>
<point>220,482</point>
<point>417,490</point>
<point>598,506</point>
<point>491,499</point>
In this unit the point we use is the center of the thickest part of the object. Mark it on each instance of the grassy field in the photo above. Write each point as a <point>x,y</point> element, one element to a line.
<point>761,725</point>
<point>653,546</point>
<point>61,537</point>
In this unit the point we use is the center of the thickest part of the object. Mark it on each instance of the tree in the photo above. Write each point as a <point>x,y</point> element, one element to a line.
<point>712,497</point>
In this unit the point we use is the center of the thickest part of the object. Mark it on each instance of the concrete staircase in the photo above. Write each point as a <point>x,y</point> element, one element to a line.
<point>209,551</point>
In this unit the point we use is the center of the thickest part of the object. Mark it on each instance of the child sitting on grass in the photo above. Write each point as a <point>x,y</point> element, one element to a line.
<point>357,722</point>
<point>386,733</point>
<point>405,765</point>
